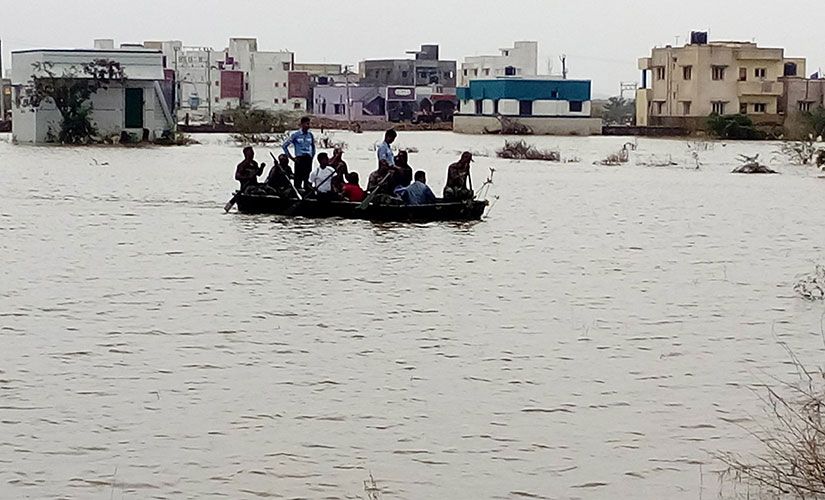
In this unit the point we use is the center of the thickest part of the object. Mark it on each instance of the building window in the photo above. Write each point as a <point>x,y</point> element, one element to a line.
<point>576,106</point>
<point>296,105</point>
<point>760,73</point>
<point>466,72</point>
<point>743,74</point>
<point>287,66</point>
<point>718,107</point>
<point>686,108</point>
<point>804,106</point>
<point>479,106</point>
<point>495,106</point>
<point>790,69</point>
<point>338,109</point>
<point>217,83</point>
<point>660,72</point>
<point>403,74</point>
<point>449,74</point>
<point>525,108</point>
<point>475,71</point>
<point>660,107</point>
<point>718,72</point>
<point>687,73</point>
<point>760,107</point>
<point>510,71</point>
<point>283,101</point>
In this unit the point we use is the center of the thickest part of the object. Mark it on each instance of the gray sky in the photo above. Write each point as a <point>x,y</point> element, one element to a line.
<point>602,39</point>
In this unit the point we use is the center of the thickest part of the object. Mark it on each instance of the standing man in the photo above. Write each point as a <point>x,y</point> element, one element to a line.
<point>304,144</point>
<point>457,175</point>
<point>385,149</point>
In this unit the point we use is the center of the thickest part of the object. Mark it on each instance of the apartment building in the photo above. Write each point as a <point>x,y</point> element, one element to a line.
<point>519,60</point>
<point>682,86</point>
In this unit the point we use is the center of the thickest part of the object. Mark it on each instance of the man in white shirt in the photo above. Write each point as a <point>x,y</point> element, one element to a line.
<point>321,177</point>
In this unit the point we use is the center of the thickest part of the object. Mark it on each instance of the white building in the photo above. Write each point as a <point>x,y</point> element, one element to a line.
<point>136,106</point>
<point>269,79</point>
<point>519,60</point>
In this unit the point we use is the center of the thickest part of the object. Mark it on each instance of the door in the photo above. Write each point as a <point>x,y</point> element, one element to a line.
<point>134,108</point>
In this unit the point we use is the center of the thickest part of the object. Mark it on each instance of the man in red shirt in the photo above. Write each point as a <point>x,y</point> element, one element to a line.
<point>352,191</point>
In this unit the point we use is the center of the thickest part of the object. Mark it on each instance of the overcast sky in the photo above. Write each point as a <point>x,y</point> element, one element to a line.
<point>602,39</point>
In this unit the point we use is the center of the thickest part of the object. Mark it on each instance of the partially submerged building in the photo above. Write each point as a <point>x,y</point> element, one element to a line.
<point>137,106</point>
<point>682,86</point>
<point>544,105</point>
<point>519,60</point>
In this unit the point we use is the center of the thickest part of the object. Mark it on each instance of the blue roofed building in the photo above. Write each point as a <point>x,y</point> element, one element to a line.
<point>546,105</point>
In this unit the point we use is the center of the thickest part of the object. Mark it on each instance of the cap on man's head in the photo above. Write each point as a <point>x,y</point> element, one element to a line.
<point>467,156</point>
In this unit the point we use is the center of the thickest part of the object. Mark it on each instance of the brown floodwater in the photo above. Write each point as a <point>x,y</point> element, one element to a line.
<point>594,337</point>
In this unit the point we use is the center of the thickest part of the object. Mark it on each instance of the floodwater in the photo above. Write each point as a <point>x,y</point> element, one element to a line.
<point>594,337</point>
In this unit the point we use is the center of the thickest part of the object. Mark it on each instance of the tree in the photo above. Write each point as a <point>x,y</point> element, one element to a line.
<point>733,127</point>
<point>70,93</point>
<point>260,126</point>
<point>619,111</point>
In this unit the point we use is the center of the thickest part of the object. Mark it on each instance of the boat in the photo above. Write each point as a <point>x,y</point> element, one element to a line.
<point>440,211</point>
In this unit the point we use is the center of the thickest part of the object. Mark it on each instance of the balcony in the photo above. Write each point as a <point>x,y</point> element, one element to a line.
<point>760,88</point>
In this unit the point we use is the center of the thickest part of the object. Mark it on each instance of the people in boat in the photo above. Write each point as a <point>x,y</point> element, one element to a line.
<point>303,142</point>
<point>280,177</point>
<point>352,190</point>
<point>385,148</point>
<point>405,171</point>
<point>458,175</point>
<point>248,170</point>
<point>378,179</point>
<point>337,162</point>
<point>418,193</point>
<point>321,177</point>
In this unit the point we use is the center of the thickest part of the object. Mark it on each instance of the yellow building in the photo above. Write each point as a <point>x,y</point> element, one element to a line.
<point>682,86</point>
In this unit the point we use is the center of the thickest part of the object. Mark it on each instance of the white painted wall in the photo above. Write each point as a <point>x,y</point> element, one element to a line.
<point>523,56</point>
<point>268,78</point>
<point>508,107</point>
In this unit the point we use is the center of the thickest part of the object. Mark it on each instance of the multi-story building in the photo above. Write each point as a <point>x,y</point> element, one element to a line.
<point>426,69</point>
<point>519,60</point>
<point>682,86</point>
<point>802,95</point>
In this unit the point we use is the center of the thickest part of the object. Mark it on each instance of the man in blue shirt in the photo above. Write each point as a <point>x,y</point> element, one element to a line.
<point>304,144</point>
<point>418,193</point>
<point>385,150</point>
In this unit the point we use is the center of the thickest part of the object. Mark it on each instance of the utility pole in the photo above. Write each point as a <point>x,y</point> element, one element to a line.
<point>2,87</point>
<point>209,83</point>
<point>349,99</point>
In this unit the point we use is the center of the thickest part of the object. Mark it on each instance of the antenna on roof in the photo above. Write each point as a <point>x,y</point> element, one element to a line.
<point>563,58</point>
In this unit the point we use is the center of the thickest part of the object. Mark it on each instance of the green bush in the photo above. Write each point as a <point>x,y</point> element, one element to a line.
<point>738,127</point>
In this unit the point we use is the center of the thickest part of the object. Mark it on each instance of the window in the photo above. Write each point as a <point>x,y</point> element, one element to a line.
<point>217,99</point>
<point>217,83</point>
<point>760,73</point>
<point>475,71</point>
<point>495,106</point>
<point>403,74</point>
<point>466,72</point>
<point>525,108</point>
<point>554,94</point>
<point>283,101</point>
<point>687,73</point>
<point>486,71</point>
<point>660,107</point>
<point>449,74</point>
<point>743,108</point>
<point>576,106</point>
<point>506,53</point>
<point>790,69</point>
<point>479,106</point>
<point>718,72</point>
<point>296,105</point>
<point>510,71</point>
<point>686,108</point>
<point>743,74</point>
<point>287,66</point>
<point>718,107</point>
<point>660,72</point>
<point>804,106</point>
<point>338,109</point>
<point>760,107</point>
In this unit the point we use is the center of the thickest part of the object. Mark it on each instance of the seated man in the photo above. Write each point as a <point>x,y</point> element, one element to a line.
<point>457,176</point>
<point>247,171</point>
<point>337,162</point>
<point>321,177</point>
<point>280,177</point>
<point>378,179</point>
<point>405,171</point>
<point>418,193</point>
<point>351,190</point>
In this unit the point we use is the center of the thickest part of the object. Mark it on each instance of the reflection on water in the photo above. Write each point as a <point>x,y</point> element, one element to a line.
<point>591,339</point>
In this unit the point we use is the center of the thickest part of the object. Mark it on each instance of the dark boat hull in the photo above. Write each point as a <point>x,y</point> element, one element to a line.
<point>449,211</point>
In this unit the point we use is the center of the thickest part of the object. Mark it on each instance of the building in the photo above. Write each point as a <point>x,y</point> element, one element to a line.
<point>368,103</point>
<point>136,106</point>
<point>682,86</point>
<point>546,105</point>
<point>317,74</point>
<point>801,95</point>
<point>5,99</point>
<point>519,60</point>
<point>425,69</point>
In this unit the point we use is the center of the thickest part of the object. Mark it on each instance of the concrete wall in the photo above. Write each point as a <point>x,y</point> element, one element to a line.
<point>464,124</point>
<point>523,56</point>
<point>799,90</point>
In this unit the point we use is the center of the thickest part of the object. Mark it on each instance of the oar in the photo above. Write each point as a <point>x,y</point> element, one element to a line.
<point>364,204</point>
<point>231,202</point>
<point>300,198</point>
